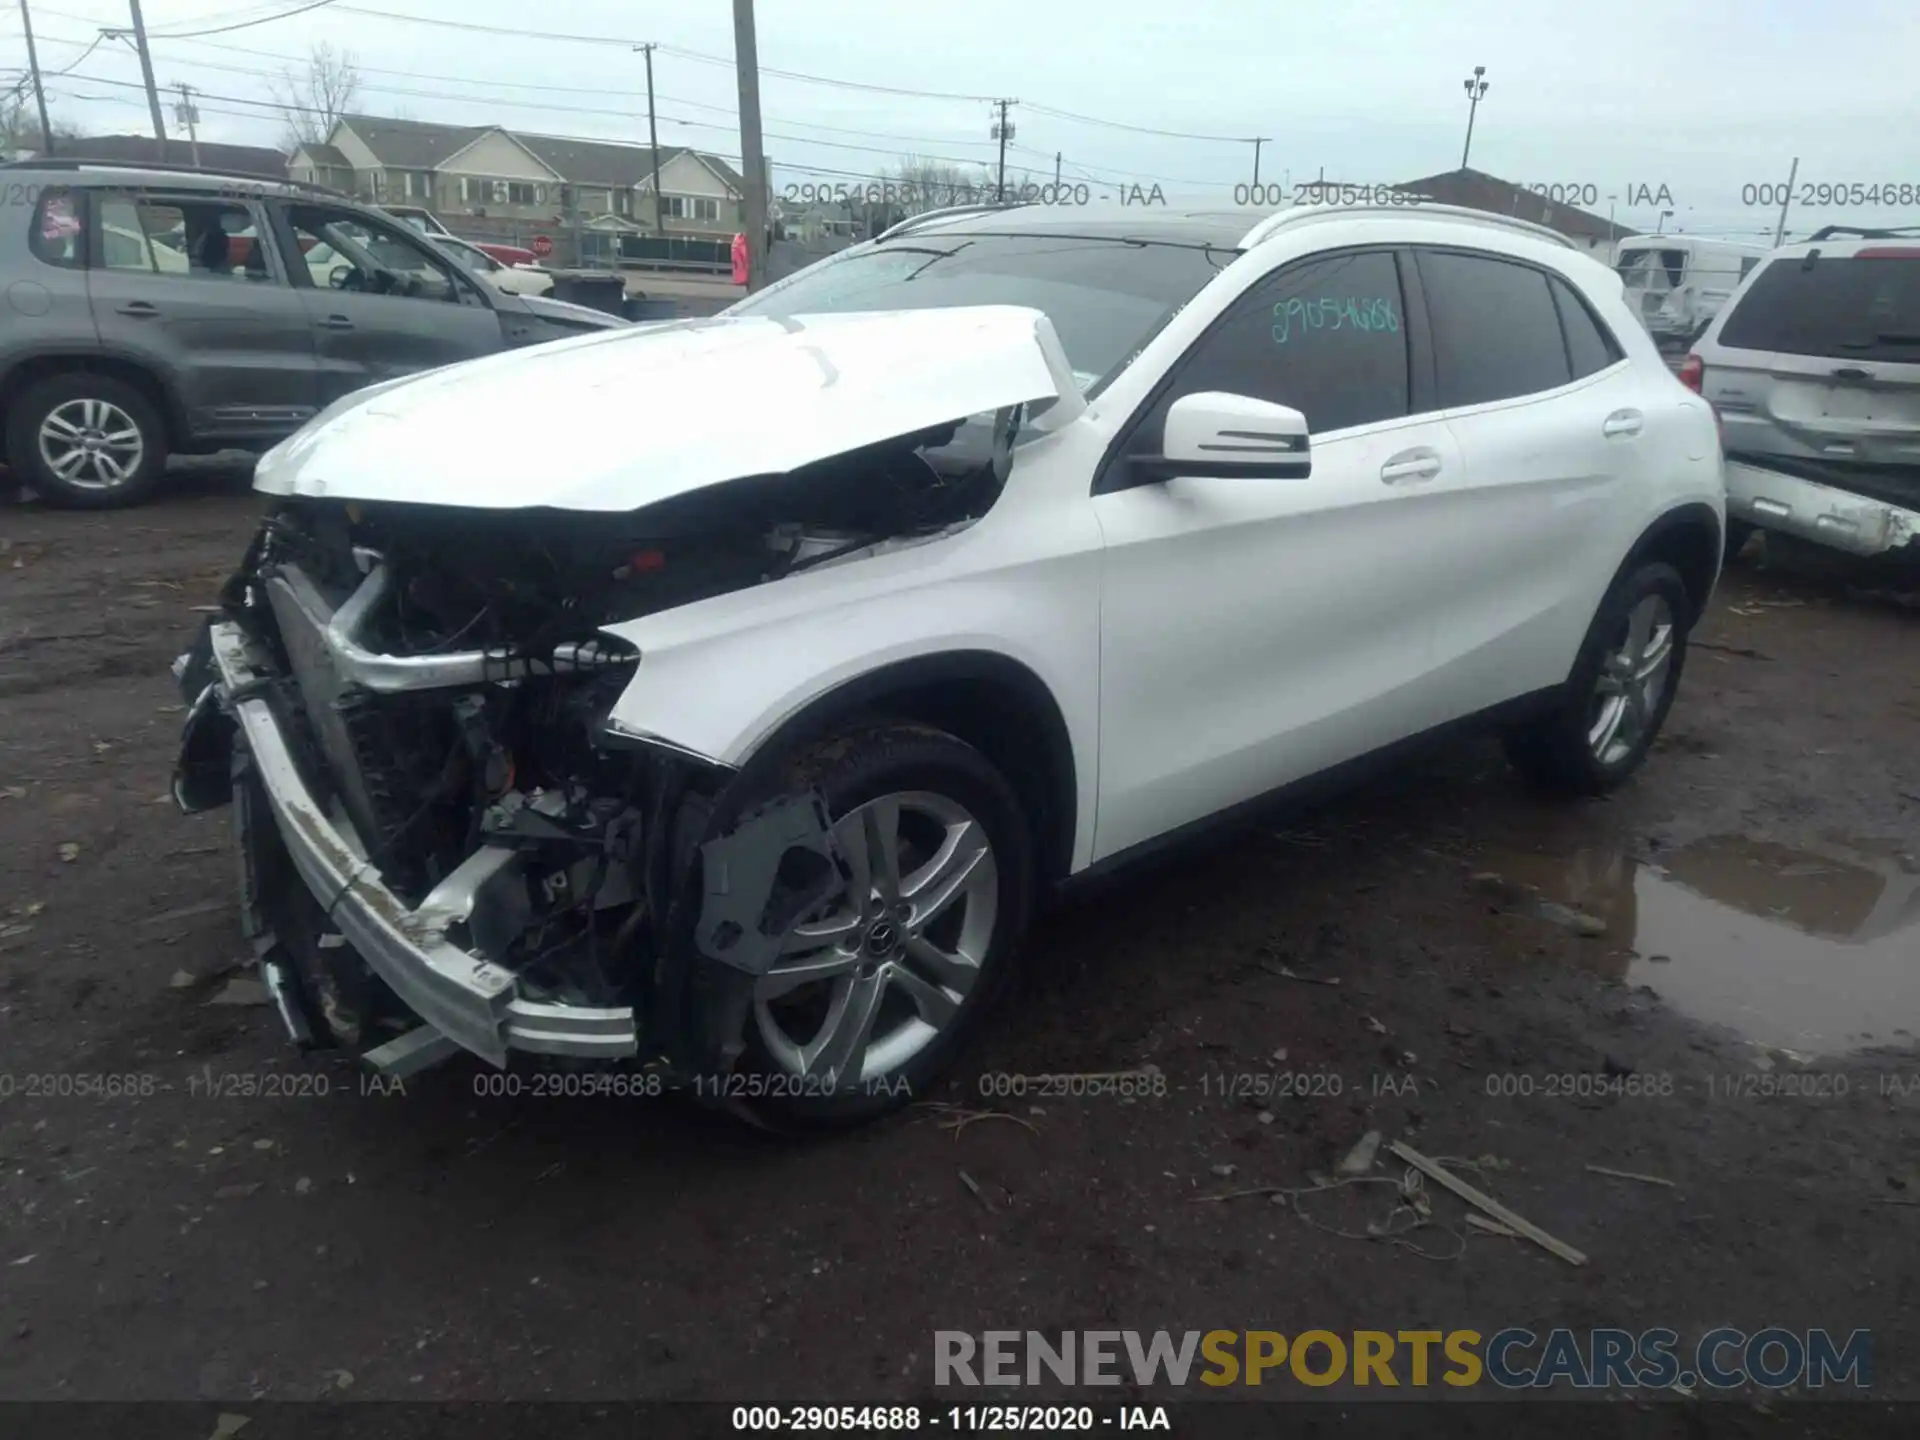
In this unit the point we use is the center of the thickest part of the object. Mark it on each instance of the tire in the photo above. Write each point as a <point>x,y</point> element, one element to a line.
<point>1571,750</point>
<point>934,779</point>
<point>1738,533</point>
<point>68,411</point>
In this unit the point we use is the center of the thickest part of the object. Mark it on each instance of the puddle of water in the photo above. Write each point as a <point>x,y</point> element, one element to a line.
<point>1815,950</point>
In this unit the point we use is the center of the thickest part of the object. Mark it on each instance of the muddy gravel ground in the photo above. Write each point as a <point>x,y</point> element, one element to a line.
<point>1711,979</point>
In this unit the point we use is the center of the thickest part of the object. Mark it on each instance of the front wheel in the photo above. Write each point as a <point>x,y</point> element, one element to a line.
<point>878,990</point>
<point>87,441</point>
<point>1619,693</point>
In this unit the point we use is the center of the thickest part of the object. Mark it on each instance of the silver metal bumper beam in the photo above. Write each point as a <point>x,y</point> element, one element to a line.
<point>461,994</point>
<point>1823,514</point>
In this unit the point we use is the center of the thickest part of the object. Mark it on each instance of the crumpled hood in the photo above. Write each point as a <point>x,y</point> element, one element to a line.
<point>633,416</point>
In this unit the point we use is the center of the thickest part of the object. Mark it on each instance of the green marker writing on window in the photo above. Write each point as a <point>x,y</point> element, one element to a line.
<point>1349,312</point>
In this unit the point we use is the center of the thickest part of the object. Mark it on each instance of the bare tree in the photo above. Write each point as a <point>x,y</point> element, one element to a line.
<point>313,99</point>
<point>20,123</point>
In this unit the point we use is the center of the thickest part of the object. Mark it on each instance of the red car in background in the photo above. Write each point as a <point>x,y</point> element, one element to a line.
<point>427,223</point>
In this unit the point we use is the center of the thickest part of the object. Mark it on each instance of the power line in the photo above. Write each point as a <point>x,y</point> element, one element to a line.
<point>241,24</point>
<point>1138,129</point>
<point>525,85</point>
<point>626,40</point>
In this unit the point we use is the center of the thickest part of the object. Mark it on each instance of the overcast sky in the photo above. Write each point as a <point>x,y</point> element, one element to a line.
<point>1704,97</point>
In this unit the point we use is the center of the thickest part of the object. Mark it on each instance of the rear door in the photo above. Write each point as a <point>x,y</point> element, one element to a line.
<point>1553,425</point>
<point>381,302</point>
<point>1816,370</point>
<point>182,282</point>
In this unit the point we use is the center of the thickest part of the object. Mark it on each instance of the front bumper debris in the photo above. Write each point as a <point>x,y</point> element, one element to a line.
<point>1824,514</point>
<point>433,957</point>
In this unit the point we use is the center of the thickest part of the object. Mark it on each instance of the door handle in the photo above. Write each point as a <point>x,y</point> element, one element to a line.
<point>337,322</point>
<point>139,309</point>
<point>1623,422</point>
<point>1410,466</point>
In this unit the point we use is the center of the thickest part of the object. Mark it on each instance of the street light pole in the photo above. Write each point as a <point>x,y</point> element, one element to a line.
<point>39,91</point>
<point>1476,92</point>
<point>1258,141</point>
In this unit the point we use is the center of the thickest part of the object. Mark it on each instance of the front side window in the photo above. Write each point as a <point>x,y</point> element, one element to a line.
<point>1496,334</point>
<point>1326,336</point>
<point>1106,298</point>
<point>344,250</point>
<point>55,234</point>
<point>200,239</point>
<point>1864,307</point>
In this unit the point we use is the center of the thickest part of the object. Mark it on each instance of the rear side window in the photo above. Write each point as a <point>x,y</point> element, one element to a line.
<point>1496,332</point>
<point>56,235</point>
<point>1325,336</point>
<point>1858,308</point>
<point>1589,346</point>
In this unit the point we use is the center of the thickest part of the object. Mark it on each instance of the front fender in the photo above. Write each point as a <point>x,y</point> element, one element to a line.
<point>720,677</point>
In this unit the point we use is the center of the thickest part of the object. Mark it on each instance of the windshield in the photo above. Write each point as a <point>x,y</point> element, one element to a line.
<point>1105,297</point>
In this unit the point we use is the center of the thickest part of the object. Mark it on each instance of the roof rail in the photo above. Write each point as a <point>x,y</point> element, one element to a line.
<point>1827,232</point>
<point>211,172</point>
<point>914,222</point>
<point>1413,209</point>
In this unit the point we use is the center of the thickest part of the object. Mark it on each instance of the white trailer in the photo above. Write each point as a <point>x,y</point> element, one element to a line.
<point>1677,283</point>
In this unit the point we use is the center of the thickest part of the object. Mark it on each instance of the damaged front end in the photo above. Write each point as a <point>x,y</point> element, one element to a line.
<point>443,842</point>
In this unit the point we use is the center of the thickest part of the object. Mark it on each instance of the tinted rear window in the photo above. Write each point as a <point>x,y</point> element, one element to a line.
<point>1496,333</point>
<point>1843,309</point>
<point>1589,346</point>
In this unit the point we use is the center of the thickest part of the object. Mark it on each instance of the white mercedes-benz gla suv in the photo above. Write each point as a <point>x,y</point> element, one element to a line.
<point>722,696</point>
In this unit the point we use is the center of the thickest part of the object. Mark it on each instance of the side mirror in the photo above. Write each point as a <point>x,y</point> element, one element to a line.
<point>1213,433</point>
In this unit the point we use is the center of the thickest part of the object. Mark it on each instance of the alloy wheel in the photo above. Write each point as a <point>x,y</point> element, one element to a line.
<point>1633,680</point>
<point>868,982</point>
<point>91,444</point>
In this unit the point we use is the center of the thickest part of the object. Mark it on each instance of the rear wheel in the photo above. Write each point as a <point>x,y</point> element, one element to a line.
<point>1618,696</point>
<point>877,990</point>
<point>86,441</point>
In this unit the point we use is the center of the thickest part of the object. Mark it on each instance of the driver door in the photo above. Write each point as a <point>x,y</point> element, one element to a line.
<point>1255,631</point>
<point>380,302</point>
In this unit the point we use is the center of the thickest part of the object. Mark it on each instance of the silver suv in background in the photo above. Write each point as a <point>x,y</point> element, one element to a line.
<point>151,311</point>
<point>1813,368</point>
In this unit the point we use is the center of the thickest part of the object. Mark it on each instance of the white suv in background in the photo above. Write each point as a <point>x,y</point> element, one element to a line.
<point>981,557</point>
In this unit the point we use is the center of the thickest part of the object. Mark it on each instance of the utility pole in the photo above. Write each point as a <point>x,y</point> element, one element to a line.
<point>146,73</point>
<point>753,163</point>
<point>188,115</point>
<point>1780,230</point>
<point>1476,91</point>
<point>39,92</point>
<point>1258,141</point>
<point>1056,172</point>
<point>1003,132</point>
<point>653,142</point>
